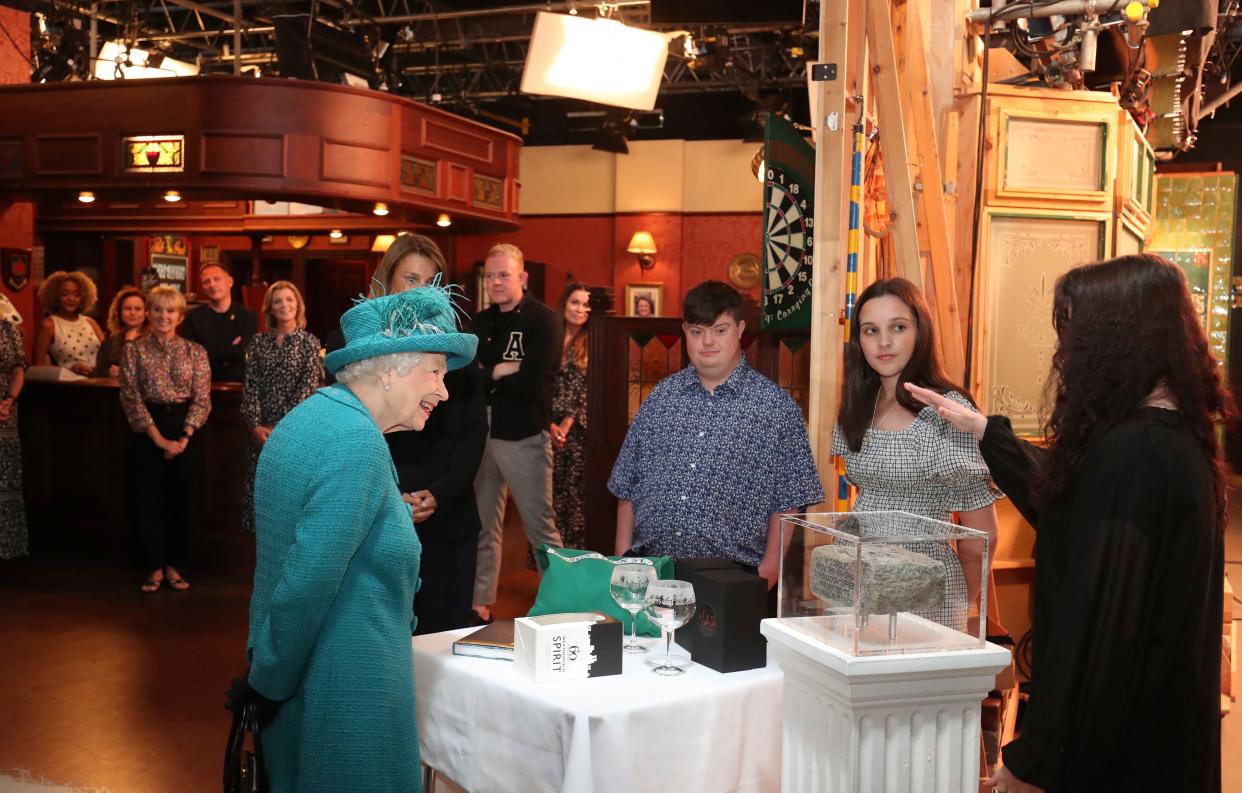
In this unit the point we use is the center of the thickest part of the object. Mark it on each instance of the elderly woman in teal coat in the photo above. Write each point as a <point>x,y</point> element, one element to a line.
<point>337,566</point>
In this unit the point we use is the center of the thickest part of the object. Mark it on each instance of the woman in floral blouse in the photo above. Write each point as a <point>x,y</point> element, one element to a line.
<point>166,396</point>
<point>282,369</point>
<point>569,418</point>
<point>12,378</point>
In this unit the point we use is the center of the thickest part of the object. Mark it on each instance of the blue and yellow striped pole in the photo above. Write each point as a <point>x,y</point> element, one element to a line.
<point>851,281</point>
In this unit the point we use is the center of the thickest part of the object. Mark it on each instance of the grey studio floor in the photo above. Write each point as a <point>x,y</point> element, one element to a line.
<point>105,689</point>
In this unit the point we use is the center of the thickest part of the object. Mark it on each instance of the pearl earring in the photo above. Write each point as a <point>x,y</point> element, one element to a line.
<point>387,385</point>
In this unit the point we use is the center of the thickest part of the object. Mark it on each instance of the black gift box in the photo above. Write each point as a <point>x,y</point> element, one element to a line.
<point>724,633</point>
<point>690,570</point>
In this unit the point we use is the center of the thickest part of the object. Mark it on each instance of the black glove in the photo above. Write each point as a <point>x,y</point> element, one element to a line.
<point>241,694</point>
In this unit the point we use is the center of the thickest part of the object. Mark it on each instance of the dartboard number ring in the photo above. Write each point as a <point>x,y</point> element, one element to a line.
<point>788,241</point>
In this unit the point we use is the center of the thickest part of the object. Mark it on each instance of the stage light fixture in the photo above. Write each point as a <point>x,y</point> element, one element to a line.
<point>118,62</point>
<point>598,60</point>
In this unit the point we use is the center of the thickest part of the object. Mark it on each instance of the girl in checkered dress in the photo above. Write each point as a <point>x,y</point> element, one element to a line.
<point>901,454</point>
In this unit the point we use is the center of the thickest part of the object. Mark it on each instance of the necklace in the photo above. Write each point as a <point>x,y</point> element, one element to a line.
<point>874,421</point>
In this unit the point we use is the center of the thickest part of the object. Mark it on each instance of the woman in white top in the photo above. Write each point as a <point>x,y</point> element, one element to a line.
<point>66,336</point>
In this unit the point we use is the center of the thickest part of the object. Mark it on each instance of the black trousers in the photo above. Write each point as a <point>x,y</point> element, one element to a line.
<point>447,569</point>
<point>164,489</point>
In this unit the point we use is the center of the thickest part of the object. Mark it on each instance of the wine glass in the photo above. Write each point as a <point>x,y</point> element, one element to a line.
<point>670,604</point>
<point>629,585</point>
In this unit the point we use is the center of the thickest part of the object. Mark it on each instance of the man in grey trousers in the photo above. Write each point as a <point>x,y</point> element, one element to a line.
<point>519,350</point>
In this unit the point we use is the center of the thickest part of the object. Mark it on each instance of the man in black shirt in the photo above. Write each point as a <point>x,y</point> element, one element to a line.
<point>220,326</point>
<point>519,349</point>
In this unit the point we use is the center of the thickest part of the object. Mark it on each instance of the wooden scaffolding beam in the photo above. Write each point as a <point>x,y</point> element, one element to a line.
<point>840,43</point>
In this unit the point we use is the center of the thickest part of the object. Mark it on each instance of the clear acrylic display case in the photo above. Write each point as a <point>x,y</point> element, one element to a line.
<point>877,583</point>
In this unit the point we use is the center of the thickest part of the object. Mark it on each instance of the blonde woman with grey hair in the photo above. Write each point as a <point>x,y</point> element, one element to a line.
<point>282,369</point>
<point>166,396</point>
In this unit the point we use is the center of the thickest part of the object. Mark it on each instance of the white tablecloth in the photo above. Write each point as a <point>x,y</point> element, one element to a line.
<point>493,731</point>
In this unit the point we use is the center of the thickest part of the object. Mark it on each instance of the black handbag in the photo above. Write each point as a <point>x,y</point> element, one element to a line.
<point>243,765</point>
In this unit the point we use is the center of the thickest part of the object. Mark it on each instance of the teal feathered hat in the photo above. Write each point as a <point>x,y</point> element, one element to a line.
<point>417,320</point>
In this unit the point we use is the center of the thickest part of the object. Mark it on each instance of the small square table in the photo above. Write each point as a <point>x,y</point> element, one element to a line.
<point>492,730</point>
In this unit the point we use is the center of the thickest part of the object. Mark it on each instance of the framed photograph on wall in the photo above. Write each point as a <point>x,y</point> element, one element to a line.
<point>644,300</point>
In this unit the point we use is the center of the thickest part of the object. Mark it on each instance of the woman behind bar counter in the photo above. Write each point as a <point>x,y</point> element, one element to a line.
<point>1128,502</point>
<point>338,561</point>
<point>166,396</point>
<point>282,369</point>
<point>67,337</point>
<point>127,319</point>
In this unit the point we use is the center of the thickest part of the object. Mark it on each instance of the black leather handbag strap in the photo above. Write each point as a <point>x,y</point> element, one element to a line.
<point>243,769</point>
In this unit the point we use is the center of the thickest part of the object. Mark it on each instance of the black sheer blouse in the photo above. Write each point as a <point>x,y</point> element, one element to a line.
<point>1127,612</point>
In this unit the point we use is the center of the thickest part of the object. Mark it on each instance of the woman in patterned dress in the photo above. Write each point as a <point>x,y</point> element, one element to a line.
<point>282,369</point>
<point>13,541</point>
<point>66,336</point>
<point>166,396</point>
<point>569,418</point>
<point>901,454</point>
<point>127,320</point>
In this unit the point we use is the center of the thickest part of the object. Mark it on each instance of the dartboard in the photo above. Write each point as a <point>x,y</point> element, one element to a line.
<point>787,234</point>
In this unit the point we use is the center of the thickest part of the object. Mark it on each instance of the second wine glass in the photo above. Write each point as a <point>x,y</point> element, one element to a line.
<point>670,604</point>
<point>628,586</point>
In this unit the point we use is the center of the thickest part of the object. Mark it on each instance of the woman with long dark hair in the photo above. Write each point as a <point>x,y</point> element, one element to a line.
<point>901,455</point>
<point>1128,500</point>
<point>569,418</point>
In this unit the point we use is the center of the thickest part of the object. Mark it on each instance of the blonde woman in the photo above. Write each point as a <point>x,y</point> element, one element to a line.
<point>166,396</point>
<point>282,369</point>
<point>127,319</point>
<point>66,336</point>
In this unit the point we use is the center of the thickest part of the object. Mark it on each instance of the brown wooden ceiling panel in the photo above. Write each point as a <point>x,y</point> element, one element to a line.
<point>458,180</point>
<point>355,163</point>
<point>243,154</point>
<point>446,138</point>
<point>289,140</point>
<point>66,155</point>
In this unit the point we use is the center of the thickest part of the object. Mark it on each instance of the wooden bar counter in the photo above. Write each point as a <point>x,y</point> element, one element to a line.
<point>75,443</point>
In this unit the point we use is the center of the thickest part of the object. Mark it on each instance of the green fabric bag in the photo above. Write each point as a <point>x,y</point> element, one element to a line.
<point>577,580</point>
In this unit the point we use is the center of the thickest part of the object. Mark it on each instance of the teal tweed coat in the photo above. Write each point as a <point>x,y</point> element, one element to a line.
<point>330,617</point>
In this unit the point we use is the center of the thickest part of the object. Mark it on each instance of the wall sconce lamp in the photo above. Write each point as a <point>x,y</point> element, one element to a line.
<point>643,246</point>
<point>86,197</point>
<point>444,221</point>
<point>380,208</point>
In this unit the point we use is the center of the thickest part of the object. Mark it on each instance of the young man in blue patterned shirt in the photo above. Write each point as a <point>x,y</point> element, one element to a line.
<point>716,453</point>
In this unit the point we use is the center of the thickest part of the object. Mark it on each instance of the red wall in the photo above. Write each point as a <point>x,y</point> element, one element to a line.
<point>17,218</point>
<point>692,249</point>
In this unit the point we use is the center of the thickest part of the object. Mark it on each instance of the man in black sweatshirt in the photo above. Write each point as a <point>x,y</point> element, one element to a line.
<point>222,326</point>
<point>519,349</point>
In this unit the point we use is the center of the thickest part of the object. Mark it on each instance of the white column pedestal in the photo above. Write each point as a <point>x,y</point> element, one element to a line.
<point>882,723</point>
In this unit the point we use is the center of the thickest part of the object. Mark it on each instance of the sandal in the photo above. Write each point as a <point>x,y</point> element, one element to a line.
<point>152,584</point>
<point>176,582</point>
